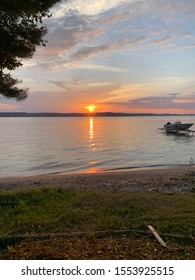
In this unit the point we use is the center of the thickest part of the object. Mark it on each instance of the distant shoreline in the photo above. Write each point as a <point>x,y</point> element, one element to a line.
<point>98,114</point>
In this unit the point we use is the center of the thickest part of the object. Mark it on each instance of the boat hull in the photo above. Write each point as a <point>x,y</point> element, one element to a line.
<point>177,127</point>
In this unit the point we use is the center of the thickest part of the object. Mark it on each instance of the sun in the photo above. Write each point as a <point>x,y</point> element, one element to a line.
<point>90,108</point>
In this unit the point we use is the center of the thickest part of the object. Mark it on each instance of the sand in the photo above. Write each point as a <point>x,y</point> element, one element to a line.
<point>172,180</point>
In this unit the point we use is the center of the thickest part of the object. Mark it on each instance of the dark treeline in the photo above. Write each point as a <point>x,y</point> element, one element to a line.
<point>99,114</point>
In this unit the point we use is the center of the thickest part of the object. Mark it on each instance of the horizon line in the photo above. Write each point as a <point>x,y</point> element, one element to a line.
<point>97,113</point>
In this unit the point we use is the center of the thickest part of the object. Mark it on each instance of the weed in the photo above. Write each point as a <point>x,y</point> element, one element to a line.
<point>58,210</point>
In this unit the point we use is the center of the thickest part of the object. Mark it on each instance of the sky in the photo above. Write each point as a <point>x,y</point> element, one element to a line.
<point>134,56</point>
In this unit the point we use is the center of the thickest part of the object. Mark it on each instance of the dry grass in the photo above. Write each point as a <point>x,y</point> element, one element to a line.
<point>87,248</point>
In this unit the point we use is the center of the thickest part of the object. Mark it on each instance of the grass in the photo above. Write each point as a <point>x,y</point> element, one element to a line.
<point>52,210</point>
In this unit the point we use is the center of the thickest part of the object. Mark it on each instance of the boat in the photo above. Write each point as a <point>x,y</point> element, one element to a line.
<point>177,126</point>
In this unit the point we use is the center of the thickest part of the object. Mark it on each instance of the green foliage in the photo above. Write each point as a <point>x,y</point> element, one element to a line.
<point>10,248</point>
<point>21,31</point>
<point>30,7</point>
<point>8,88</point>
<point>58,210</point>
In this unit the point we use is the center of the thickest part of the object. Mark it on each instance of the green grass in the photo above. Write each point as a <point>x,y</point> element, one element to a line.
<point>48,210</point>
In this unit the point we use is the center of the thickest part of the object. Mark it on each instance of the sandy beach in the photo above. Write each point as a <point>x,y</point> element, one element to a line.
<point>172,180</point>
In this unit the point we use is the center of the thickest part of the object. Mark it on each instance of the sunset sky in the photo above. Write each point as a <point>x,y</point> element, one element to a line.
<point>118,55</point>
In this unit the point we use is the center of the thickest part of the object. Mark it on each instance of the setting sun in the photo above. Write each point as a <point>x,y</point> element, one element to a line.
<point>91,108</point>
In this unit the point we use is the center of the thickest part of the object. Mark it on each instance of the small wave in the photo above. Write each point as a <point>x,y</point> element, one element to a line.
<point>155,166</point>
<point>53,165</point>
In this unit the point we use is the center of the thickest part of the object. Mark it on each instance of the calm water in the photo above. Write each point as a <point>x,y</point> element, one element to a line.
<point>32,146</point>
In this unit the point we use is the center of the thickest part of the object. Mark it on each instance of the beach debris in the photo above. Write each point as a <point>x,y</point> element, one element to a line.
<point>157,236</point>
<point>191,174</point>
<point>191,161</point>
<point>192,237</point>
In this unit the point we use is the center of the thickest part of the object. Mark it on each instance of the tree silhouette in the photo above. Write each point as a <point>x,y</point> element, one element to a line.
<point>21,31</point>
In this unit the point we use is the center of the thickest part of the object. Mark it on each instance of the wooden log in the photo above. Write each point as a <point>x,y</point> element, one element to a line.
<point>157,236</point>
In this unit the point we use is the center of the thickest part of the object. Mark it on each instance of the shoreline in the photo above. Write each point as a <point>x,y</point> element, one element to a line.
<point>166,180</point>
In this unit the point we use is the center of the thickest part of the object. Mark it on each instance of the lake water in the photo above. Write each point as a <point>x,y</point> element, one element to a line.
<point>33,146</point>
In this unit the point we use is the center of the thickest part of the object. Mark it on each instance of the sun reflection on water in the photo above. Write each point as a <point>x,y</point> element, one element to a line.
<point>92,164</point>
<point>91,130</point>
<point>91,134</point>
<point>93,170</point>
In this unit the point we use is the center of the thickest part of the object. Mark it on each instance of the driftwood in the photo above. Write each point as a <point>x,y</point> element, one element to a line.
<point>157,236</point>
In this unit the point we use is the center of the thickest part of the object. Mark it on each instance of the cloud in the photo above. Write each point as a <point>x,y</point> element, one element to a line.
<point>68,86</point>
<point>90,51</point>
<point>60,84</point>
<point>167,101</point>
<point>190,46</point>
<point>163,40</point>
<point>155,101</point>
<point>171,11</point>
<point>74,28</point>
<point>4,107</point>
<point>69,31</point>
<point>86,52</point>
<point>81,30</point>
<point>65,36</point>
<point>80,89</point>
<point>185,35</point>
<point>88,7</point>
<point>97,67</point>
